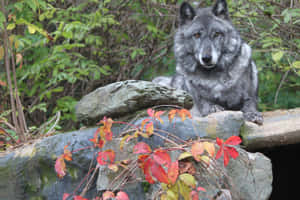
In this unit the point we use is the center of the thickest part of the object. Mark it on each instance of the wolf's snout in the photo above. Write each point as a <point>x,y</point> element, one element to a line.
<point>207,59</point>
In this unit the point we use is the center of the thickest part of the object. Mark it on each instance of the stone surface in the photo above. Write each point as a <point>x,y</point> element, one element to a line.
<point>118,99</point>
<point>281,127</point>
<point>28,172</point>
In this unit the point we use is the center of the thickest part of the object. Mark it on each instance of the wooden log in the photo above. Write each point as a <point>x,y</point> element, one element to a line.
<point>281,127</point>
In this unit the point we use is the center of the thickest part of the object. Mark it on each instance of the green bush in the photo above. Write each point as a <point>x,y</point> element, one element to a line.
<point>65,49</point>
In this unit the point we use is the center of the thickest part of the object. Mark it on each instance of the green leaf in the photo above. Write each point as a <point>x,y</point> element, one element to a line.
<point>277,56</point>
<point>296,64</point>
<point>2,19</point>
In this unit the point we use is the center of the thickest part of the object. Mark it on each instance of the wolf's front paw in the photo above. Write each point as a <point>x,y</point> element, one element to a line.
<point>255,117</point>
<point>216,108</point>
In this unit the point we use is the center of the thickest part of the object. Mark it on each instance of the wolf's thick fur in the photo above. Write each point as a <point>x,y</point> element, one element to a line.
<point>213,63</point>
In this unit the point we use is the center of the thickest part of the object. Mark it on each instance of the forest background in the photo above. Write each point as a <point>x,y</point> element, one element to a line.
<point>54,52</point>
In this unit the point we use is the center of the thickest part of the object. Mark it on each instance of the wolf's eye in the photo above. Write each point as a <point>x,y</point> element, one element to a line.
<point>197,35</point>
<point>217,34</point>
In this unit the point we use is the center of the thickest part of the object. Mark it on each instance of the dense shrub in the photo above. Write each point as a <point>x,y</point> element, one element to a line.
<point>65,49</point>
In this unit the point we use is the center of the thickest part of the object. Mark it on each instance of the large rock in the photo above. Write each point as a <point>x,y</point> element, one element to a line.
<point>121,98</point>
<point>281,127</point>
<point>28,172</point>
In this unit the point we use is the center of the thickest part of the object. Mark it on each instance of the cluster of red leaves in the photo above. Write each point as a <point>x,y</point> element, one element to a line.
<point>103,133</point>
<point>105,196</point>
<point>226,148</point>
<point>60,165</point>
<point>154,163</point>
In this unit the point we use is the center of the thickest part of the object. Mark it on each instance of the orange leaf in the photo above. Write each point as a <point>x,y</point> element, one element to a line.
<point>149,128</point>
<point>141,147</point>
<point>162,157</point>
<point>196,150</point>
<point>67,153</point>
<point>210,148</point>
<point>60,166</point>
<point>113,167</point>
<point>173,172</point>
<point>172,114</point>
<point>106,157</point>
<point>233,140</point>
<point>159,173</point>
<point>108,195</point>
<point>19,59</point>
<point>157,116</point>
<point>183,113</point>
<point>2,83</point>
<point>122,196</point>
<point>144,122</point>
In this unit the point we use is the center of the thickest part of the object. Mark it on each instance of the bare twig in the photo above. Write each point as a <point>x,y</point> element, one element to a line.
<point>280,85</point>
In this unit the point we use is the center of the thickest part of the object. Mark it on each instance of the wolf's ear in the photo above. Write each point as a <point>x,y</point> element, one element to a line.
<point>187,12</point>
<point>220,9</point>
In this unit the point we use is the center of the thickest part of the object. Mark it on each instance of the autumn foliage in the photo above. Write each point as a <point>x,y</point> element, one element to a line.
<point>177,176</point>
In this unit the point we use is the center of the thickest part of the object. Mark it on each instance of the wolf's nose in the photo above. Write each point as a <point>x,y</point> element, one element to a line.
<point>206,59</point>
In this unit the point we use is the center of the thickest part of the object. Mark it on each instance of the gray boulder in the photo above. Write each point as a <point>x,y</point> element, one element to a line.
<point>122,98</point>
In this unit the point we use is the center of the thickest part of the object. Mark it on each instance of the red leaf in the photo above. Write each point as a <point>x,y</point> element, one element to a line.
<point>141,147</point>
<point>219,141</point>
<point>60,166</point>
<point>159,173</point>
<point>201,189</point>
<point>232,152</point>
<point>194,195</point>
<point>122,196</point>
<point>226,158</point>
<point>66,195</point>
<point>146,168</point>
<point>233,140</point>
<point>106,157</point>
<point>162,157</point>
<point>173,172</point>
<point>79,198</point>
<point>150,112</point>
<point>196,150</point>
<point>220,152</point>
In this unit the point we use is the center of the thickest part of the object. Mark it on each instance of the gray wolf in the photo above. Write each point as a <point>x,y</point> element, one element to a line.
<point>213,63</point>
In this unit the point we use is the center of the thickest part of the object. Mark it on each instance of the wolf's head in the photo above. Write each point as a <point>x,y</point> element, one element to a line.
<point>205,38</point>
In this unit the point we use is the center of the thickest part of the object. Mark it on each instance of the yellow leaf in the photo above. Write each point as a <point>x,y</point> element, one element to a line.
<point>184,190</point>
<point>184,155</point>
<point>31,29</point>
<point>210,148</point>
<point>113,167</point>
<point>11,26</point>
<point>188,179</point>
